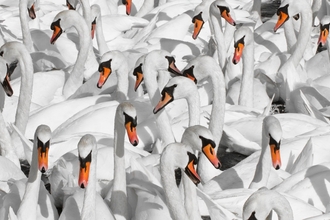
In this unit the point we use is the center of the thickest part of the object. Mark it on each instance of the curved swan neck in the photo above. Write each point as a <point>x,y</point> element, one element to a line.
<point>246,90</point>
<point>122,82</point>
<point>216,29</point>
<point>263,168</point>
<point>27,39</point>
<point>75,79</point>
<point>290,35</point>
<point>88,209</point>
<point>194,109</point>
<point>172,193</point>
<point>162,120</point>
<point>28,206</point>
<point>303,38</point>
<point>118,204</point>
<point>101,43</point>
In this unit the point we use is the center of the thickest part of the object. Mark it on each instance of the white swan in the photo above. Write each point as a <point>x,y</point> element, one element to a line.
<point>251,92</point>
<point>213,13</point>
<point>35,203</point>
<point>177,155</point>
<point>199,69</point>
<point>13,52</point>
<point>63,21</point>
<point>125,119</point>
<point>240,176</point>
<point>87,203</point>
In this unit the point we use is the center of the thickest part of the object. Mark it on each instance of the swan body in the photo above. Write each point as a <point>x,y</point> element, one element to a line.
<point>34,202</point>
<point>87,203</point>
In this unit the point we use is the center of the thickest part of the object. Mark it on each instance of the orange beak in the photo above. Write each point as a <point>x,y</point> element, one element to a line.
<point>228,18</point>
<point>323,37</point>
<point>104,75</point>
<point>43,157</point>
<point>128,4</point>
<point>282,18</point>
<point>238,53</point>
<point>276,157</point>
<point>93,28</point>
<point>84,174</point>
<point>131,133</point>
<point>190,169</point>
<point>166,99</point>
<point>6,85</point>
<point>138,73</point>
<point>198,24</point>
<point>57,31</point>
<point>210,153</point>
<point>32,12</point>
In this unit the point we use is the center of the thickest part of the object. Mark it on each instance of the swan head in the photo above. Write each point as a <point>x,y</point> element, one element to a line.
<point>177,88</point>
<point>5,72</point>
<point>242,37</point>
<point>128,4</point>
<point>71,5</point>
<point>42,140</point>
<point>200,68</point>
<point>126,115</point>
<point>179,155</point>
<point>110,61</point>
<point>161,60</point>
<point>96,12</point>
<point>225,11</point>
<point>11,52</point>
<point>324,32</point>
<point>62,21</point>
<point>86,146</point>
<point>31,10</point>
<point>273,133</point>
<point>200,138</point>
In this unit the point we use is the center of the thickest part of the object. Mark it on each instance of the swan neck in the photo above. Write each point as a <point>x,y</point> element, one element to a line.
<point>246,90</point>
<point>118,202</point>
<point>101,43</point>
<point>263,168</point>
<point>75,79</point>
<point>193,108</point>
<point>27,209</point>
<point>27,39</point>
<point>218,107</point>
<point>303,37</point>
<point>282,208</point>
<point>172,193</point>
<point>162,120</point>
<point>290,35</point>
<point>88,209</point>
<point>122,82</point>
<point>216,29</point>
<point>190,201</point>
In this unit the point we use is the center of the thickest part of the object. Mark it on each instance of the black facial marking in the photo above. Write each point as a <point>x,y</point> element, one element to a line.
<point>198,17</point>
<point>240,41</point>
<point>83,161</point>
<point>253,216</point>
<point>43,146</point>
<point>190,73</point>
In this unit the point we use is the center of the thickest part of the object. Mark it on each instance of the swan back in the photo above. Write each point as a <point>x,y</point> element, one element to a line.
<point>262,202</point>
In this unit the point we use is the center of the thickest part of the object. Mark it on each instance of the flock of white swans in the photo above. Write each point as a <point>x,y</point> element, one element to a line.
<point>107,101</point>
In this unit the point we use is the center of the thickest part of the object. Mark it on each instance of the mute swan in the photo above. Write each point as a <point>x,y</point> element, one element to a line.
<point>240,176</point>
<point>217,9</point>
<point>86,203</point>
<point>13,52</point>
<point>61,22</point>
<point>158,60</point>
<point>6,149</point>
<point>177,155</point>
<point>198,69</point>
<point>251,92</point>
<point>35,203</point>
<point>125,115</point>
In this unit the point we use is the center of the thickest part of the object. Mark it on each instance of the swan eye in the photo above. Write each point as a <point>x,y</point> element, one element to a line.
<point>1,53</point>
